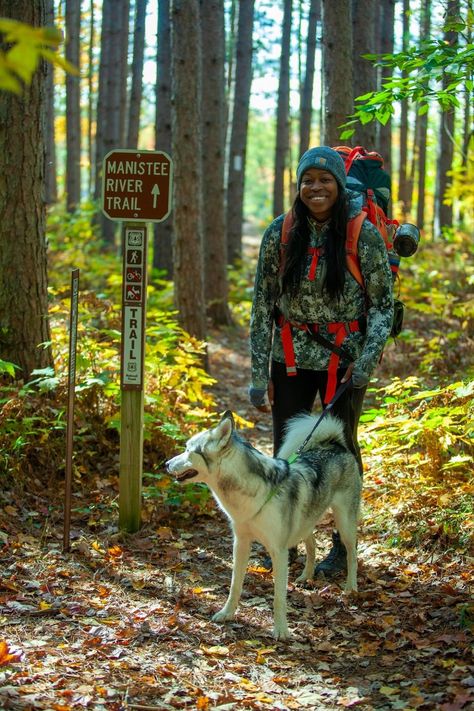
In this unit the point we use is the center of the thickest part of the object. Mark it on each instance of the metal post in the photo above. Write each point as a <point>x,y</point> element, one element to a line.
<point>70,404</point>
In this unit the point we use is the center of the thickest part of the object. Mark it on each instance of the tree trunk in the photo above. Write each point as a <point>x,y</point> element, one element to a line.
<point>337,67</point>
<point>73,106</point>
<point>384,133</point>
<point>51,183</point>
<point>111,106</point>
<point>282,143</point>
<point>402,179</point>
<point>238,139</point>
<point>90,98</point>
<point>444,213</point>
<point>137,74</point>
<point>214,114</point>
<point>23,264</point>
<point>307,88</point>
<point>365,74</point>
<point>163,231</point>
<point>423,131</point>
<point>187,142</point>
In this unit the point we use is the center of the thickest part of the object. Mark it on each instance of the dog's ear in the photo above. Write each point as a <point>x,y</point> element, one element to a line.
<point>228,416</point>
<point>224,429</point>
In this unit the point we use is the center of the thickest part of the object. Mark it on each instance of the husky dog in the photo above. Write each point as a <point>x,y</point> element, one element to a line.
<point>276,503</point>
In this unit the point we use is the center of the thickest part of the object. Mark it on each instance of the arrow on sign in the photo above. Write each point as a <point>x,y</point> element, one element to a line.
<point>155,191</point>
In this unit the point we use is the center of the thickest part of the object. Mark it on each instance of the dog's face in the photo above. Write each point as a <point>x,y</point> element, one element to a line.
<point>201,451</point>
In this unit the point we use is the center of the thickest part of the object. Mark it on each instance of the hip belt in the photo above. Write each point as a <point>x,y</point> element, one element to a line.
<point>340,330</point>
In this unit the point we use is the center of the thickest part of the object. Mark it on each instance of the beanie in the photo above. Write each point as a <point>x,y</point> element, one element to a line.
<point>324,158</point>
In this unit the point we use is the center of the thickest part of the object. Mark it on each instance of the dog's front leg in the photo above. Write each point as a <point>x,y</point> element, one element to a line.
<point>280,581</point>
<point>241,558</point>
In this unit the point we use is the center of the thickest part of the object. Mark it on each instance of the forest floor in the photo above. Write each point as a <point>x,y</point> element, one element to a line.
<point>124,621</point>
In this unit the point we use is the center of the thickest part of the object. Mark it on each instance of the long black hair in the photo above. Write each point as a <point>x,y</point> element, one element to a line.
<point>335,252</point>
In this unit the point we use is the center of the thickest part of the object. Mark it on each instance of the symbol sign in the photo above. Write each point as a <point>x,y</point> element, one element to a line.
<point>136,185</point>
<point>133,308</point>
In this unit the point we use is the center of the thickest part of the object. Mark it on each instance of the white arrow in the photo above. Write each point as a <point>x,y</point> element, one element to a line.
<point>155,191</point>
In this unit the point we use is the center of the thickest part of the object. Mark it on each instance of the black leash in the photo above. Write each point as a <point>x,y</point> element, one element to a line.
<point>342,387</point>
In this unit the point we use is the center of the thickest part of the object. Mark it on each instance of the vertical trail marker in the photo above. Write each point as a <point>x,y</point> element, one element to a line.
<point>70,404</point>
<point>136,188</point>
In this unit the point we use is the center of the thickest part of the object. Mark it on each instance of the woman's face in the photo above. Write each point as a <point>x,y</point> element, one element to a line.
<point>318,191</point>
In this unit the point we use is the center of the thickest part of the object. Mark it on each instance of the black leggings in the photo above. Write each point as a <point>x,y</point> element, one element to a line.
<point>296,394</point>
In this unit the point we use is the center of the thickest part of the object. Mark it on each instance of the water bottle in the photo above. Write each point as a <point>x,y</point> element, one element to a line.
<point>406,240</point>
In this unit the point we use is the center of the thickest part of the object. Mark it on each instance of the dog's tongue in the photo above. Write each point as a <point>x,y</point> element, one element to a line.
<point>188,474</point>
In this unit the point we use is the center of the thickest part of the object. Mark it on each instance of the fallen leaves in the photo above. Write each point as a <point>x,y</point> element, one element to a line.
<point>6,655</point>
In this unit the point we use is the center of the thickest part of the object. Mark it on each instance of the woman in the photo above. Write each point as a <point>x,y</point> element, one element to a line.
<point>305,287</point>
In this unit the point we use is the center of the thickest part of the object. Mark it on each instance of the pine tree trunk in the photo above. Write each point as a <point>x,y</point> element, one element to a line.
<point>23,264</point>
<point>73,106</point>
<point>283,114</point>
<point>306,109</point>
<point>110,105</point>
<point>384,133</point>
<point>163,231</point>
<point>444,213</point>
<point>213,112</point>
<point>91,98</point>
<point>337,67</point>
<point>187,143</point>
<point>402,179</point>
<point>137,74</point>
<point>238,139</point>
<point>365,76</point>
<point>51,183</point>
<point>423,130</point>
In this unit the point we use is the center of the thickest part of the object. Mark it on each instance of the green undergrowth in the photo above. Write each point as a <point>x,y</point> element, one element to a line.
<point>416,432</point>
<point>177,398</point>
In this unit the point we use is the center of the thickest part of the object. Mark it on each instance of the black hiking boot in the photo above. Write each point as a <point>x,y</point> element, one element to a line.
<point>292,556</point>
<point>336,560</point>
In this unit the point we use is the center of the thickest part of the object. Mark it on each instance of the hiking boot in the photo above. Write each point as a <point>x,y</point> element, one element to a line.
<point>292,556</point>
<point>335,561</point>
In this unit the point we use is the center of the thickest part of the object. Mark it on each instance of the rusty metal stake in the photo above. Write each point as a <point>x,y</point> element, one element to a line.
<point>70,404</point>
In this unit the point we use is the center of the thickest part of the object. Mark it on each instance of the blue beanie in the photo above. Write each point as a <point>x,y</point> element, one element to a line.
<point>324,158</point>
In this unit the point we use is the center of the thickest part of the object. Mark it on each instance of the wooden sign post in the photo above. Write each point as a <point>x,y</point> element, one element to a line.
<point>136,188</point>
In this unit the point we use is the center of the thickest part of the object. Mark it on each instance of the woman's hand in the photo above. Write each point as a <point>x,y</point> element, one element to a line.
<point>257,397</point>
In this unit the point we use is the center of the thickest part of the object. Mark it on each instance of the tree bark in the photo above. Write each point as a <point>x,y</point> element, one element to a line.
<point>423,132</point>
<point>444,213</point>
<point>137,74</point>
<point>187,142</point>
<point>24,322</point>
<point>73,106</point>
<point>337,67</point>
<point>365,75</point>
<point>306,108</point>
<point>239,127</point>
<point>282,143</point>
<point>51,182</point>
<point>402,179</point>
<point>384,133</point>
<point>213,139</point>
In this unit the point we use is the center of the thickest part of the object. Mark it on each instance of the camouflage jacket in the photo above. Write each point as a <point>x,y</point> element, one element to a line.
<point>312,305</point>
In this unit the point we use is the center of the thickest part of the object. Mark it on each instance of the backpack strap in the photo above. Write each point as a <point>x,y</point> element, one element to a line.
<point>354,227</point>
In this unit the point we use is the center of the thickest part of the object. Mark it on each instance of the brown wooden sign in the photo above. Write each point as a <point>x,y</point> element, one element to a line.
<point>136,185</point>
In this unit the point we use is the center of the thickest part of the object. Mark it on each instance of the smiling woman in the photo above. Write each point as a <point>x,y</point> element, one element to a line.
<point>313,326</point>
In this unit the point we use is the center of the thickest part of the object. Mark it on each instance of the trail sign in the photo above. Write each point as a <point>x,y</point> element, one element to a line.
<point>136,185</point>
<point>133,307</point>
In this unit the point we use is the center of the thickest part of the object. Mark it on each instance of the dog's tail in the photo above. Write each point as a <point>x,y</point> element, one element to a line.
<point>329,431</point>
